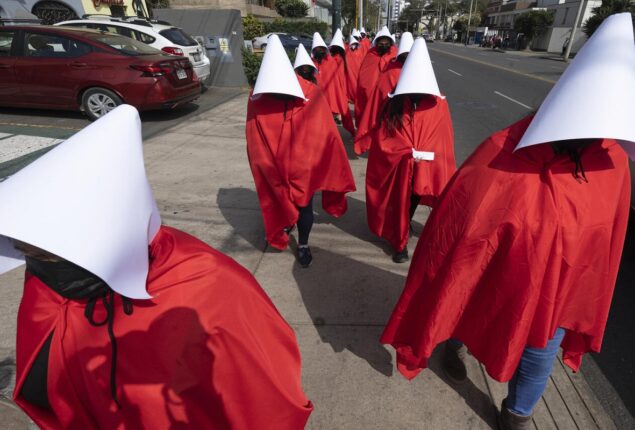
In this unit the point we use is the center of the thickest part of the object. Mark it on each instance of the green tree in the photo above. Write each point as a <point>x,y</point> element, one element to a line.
<point>252,27</point>
<point>607,8</point>
<point>291,8</point>
<point>533,24</point>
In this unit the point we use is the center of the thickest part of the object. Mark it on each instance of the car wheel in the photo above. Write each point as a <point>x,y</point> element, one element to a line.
<point>97,102</point>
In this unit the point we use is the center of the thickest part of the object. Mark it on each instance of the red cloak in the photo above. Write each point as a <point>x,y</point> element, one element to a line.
<point>354,62</point>
<point>365,43</point>
<point>208,351</point>
<point>392,175</point>
<point>332,81</point>
<point>515,248</point>
<point>369,73</point>
<point>369,118</point>
<point>294,150</point>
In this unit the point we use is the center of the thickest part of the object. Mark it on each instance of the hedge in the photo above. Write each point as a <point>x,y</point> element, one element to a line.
<point>288,26</point>
<point>252,61</point>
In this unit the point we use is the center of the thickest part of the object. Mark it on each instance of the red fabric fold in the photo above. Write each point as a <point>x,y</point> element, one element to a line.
<point>515,248</point>
<point>209,350</point>
<point>294,150</point>
<point>369,119</point>
<point>354,62</point>
<point>332,81</point>
<point>392,175</point>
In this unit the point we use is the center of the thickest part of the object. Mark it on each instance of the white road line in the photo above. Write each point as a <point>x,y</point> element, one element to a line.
<point>511,99</point>
<point>19,145</point>
<point>456,73</point>
<point>513,59</point>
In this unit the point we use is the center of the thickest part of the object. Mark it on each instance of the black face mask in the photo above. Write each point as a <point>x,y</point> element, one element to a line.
<point>67,279</point>
<point>308,75</point>
<point>383,49</point>
<point>319,55</point>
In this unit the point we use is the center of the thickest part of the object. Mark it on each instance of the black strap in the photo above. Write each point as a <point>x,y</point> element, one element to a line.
<point>109,304</point>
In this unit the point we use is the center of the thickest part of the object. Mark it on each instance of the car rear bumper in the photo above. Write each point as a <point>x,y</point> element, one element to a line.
<point>203,72</point>
<point>167,97</point>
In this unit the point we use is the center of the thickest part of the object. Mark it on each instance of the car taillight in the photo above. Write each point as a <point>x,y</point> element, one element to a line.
<point>172,50</point>
<point>151,70</point>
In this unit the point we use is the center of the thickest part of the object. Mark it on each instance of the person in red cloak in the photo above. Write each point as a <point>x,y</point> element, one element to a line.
<point>354,57</point>
<point>364,42</point>
<point>374,62</point>
<point>294,150</point>
<point>369,120</point>
<point>333,83</point>
<point>125,323</point>
<point>412,158</point>
<point>520,254</point>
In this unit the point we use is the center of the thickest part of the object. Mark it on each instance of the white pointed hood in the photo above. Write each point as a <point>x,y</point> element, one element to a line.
<point>362,31</point>
<point>88,201</point>
<point>384,32</point>
<point>417,75</point>
<point>276,74</point>
<point>356,33</point>
<point>338,39</point>
<point>352,41</point>
<point>405,44</point>
<point>595,96</point>
<point>317,42</point>
<point>302,58</point>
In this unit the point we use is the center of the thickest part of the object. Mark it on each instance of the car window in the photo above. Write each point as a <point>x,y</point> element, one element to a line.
<point>178,36</point>
<point>6,40</point>
<point>125,45</point>
<point>53,46</point>
<point>143,37</point>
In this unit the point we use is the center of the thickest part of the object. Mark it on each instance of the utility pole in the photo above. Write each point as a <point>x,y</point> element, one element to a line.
<point>337,15</point>
<point>567,52</point>
<point>469,21</point>
<point>361,15</point>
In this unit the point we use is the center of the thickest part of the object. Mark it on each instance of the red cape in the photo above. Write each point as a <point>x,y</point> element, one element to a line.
<point>366,44</point>
<point>392,175</point>
<point>369,72</point>
<point>354,62</point>
<point>332,81</point>
<point>292,156</point>
<point>514,249</point>
<point>369,120</point>
<point>208,351</point>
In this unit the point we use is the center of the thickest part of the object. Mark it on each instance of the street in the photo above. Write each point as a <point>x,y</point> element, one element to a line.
<point>198,168</point>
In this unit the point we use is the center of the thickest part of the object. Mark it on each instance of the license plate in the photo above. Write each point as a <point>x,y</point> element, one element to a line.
<point>181,74</point>
<point>196,57</point>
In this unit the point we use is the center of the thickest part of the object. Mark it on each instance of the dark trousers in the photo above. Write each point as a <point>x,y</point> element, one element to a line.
<point>305,223</point>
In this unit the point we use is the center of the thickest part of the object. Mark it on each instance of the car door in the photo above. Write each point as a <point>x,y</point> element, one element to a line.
<point>51,68</point>
<point>8,85</point>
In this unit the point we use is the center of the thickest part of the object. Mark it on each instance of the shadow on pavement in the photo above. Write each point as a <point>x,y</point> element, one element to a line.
<point>240,208</point>
<point>349,303</point>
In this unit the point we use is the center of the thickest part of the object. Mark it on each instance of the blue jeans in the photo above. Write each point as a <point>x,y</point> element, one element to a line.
<point>530,380</point>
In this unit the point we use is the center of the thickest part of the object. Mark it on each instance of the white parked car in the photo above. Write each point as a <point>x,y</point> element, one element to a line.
<point>261,42</point>
<point>158,34</point>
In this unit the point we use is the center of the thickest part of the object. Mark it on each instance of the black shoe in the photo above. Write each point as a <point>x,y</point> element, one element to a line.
<point>304,256</point>
<point>507,420</point>
<point>454,362</point>
<point>401,256</point>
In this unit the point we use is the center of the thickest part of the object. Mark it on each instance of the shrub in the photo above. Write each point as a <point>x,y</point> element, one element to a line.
<point>252,27</point>
<point>251,64</point>
<point>296,27</point>
<point>292,8</point>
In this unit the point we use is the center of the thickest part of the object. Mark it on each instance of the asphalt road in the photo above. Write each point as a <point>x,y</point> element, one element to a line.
<point>489,90</point>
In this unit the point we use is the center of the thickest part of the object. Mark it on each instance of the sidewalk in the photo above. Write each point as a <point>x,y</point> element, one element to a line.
<point>338,307</point>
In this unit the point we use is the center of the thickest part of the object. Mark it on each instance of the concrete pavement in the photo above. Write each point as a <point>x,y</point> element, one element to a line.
<point>338,307</point>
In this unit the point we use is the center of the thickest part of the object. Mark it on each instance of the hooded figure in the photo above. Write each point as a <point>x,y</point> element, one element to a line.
<point>382,52</point>
<point>304,66</point>
<point>333,82</point>
<point>354,57</point>
<point>368,121</point>
<point>412,157</point>
<point>521,252</point>
<point>125,323</point>
<point>364,42</point>
<point>294,150</point>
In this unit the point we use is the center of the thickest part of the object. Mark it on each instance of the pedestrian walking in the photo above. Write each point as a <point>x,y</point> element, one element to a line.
<point>125,323</point>
<point>386,83</point>
<point>521,252</point>
<point>304,65</point>
<point>294,150</point>
<point>412,157</point>
<point>354,57</point>
<point>335,86</point>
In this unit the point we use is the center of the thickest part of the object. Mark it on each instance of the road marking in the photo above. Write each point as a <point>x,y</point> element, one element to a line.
<point>16,146</point>
<point>19,124</point>
<point>511,99</point>
<point>513,59</point>
<point>456,73</point>
<point>507,69</point>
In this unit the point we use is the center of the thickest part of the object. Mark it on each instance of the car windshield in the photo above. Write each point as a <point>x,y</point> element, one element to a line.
<point>178,36</point>
<point>125,45</point>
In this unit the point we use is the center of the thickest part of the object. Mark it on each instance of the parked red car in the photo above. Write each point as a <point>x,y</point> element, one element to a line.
<point>88,70</point>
